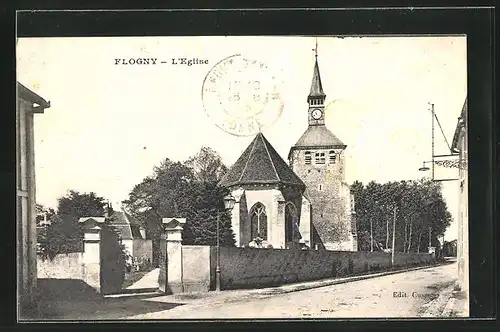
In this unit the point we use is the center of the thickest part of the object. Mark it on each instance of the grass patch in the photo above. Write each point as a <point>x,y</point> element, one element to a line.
<point>196,296</point>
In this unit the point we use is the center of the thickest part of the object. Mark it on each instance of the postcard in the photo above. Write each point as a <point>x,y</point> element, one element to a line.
<point>242,177</point>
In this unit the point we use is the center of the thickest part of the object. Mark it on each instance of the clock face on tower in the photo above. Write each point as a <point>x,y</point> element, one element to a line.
<point>316,114</point>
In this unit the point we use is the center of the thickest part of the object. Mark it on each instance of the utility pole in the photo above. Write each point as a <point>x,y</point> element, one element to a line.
<point>217,268</point>
<point>386,233</point>
<point>371,234</point>
<point>430,242</point>
<point>432,128</point>
<point>393,235</point>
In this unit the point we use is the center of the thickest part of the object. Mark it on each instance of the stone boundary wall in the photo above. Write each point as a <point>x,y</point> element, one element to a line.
<point>253,268</point>
<point>196,268</point>
<point>192,268</point>
<point>71,266</point>
<point>63,266</point>
<point>99,265</point>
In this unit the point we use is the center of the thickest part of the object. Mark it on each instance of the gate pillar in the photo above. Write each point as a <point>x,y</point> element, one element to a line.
<point>92,251</point>
<point>170,276</point>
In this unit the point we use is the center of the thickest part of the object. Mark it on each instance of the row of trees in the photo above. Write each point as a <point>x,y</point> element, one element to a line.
<point>416,207</point>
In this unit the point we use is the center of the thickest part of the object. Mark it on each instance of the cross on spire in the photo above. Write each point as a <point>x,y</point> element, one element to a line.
<point>315,49</point>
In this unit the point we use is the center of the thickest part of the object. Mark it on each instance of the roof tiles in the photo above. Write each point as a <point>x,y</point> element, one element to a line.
<point>260,164</point>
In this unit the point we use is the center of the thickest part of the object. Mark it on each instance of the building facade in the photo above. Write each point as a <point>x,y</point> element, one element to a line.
<point>270,204</point>
<point>28,104</point>
<point>131,234</point>
<point>460,146</point>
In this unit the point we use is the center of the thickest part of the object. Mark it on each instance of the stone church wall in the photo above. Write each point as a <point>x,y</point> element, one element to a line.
<point>269,198</point>
<point>274,200</point>
<point>329,199</point>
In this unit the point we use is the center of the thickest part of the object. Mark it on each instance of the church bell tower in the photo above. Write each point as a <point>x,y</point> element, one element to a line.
<point>318,159</point>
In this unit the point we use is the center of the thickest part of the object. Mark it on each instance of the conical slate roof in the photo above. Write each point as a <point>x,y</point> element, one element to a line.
<point>260,164</point>
<point>316,86</point>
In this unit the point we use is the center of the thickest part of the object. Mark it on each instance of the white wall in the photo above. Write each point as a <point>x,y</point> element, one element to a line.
<point>143,249</point>
<point>63,266</point>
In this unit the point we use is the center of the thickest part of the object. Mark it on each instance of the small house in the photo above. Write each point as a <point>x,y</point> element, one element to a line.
<point>131,234</point>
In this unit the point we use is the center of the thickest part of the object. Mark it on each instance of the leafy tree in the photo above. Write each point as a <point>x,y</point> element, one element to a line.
<point>450,248</point>
<point>65,235</point>
<point>162,195</point>
<point>357,190</point>
<point>185,190</point>
<point>207,166</point>
<point>62,236</point>
<point>415,206</point>
<point>77,205</point>
<point>43,213</point>
<point>202,214</point>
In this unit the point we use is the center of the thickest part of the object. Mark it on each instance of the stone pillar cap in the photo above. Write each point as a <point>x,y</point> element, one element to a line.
<point>173,223</point>
<point>91,222</point>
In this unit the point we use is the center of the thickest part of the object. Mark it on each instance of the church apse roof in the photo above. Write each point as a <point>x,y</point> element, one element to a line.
<point>260,164</point>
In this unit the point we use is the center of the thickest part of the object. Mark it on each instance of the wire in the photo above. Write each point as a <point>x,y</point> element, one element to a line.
<point>442,131</point>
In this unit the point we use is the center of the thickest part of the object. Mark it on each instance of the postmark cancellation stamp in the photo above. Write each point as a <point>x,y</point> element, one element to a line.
<point>242,96</point>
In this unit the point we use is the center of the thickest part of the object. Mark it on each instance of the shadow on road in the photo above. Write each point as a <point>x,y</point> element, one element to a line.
<point>70,299</point>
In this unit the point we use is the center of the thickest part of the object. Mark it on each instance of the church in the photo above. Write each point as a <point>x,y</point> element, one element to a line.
<point>303,203</point>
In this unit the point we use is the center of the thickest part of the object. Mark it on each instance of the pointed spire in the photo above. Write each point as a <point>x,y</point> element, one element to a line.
<point>316,86</point>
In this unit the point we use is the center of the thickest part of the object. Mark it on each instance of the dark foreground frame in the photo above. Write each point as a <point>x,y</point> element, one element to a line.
<point>476,23</point>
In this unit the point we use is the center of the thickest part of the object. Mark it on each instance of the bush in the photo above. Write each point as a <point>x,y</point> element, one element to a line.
<point>113,260</point>
<point>63,236</point>
<point>138,264</point>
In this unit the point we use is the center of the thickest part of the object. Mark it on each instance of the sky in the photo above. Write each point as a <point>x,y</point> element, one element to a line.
<point>109,125</point>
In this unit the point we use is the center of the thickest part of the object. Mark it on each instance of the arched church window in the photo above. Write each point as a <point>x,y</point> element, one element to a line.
<point>258,221</point>
<point>292,232</point>
<point>308,157</point>
<point>320,157</point>
<point>333,157</point>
